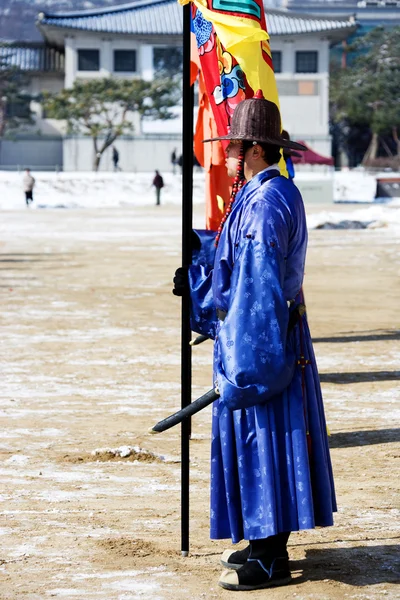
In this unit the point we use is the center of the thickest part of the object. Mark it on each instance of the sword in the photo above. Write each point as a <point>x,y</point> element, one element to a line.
<point>212,395</point>
<point>184,413</point>
<point>198,340</point>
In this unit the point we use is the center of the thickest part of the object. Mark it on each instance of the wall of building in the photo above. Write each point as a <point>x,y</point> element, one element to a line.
<point>48,82</point>
<point>135,155</point>
<point>106,45</point>
<point>35,152</point>
<point>304,97</point>
<point>304,100</point>
<point>77,154</point>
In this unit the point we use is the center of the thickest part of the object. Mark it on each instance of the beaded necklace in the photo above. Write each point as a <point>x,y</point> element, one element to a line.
<point>238,183</point>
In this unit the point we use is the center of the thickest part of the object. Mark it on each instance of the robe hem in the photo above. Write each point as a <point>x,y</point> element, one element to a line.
<point>215,536</point>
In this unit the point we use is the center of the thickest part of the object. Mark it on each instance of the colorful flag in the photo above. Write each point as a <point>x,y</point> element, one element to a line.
<point>241,28</point>
<point>235,60</point>
<point>212,158</point>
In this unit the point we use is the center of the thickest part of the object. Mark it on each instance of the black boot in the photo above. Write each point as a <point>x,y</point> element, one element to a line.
<point>274,545</point>
<point>266,566</point>
<point>235,560</point>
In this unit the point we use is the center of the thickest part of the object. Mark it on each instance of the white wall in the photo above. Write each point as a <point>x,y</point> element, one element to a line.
<point>36,153</point>
<point>134,155</point>
<point>45,82</point>
<point>106,46</point>
<point>304,97</point>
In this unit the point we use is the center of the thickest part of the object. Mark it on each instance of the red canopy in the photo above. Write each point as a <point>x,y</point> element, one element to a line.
<point>310,157</point>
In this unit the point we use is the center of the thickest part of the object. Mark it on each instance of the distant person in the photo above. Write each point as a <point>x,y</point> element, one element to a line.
<point>158,183</point>
<point>173,160</point>
<point>29,184</point>
<point>115,158</point>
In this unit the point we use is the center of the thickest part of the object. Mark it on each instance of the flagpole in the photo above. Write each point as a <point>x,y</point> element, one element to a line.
<point>187,225</point>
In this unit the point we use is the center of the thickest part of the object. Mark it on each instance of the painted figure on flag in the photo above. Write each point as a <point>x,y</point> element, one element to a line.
<point>242,31</point>
<point>224,78</point>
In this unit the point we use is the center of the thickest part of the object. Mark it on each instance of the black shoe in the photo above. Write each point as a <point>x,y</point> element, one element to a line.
<point>257,575</point>
<point>235,560</point>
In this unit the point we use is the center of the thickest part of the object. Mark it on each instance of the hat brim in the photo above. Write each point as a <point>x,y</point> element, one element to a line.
<point>290,152</point>
<point>282,143</point>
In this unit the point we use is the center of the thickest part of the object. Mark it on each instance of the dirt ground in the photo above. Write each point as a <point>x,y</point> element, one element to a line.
<point>90,354</point>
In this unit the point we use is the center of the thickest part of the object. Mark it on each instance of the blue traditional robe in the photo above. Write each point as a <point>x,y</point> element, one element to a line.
<point>270,463</point>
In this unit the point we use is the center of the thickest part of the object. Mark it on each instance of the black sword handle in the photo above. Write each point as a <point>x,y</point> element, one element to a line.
<point>199,340</point>
<point>211,395</point>
<point>188,411</point>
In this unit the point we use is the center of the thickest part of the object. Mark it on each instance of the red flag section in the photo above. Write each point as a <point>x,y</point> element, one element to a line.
<point>212,158</point>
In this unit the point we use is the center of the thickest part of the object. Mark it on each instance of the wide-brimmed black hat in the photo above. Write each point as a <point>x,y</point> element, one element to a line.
<point>258,120</point>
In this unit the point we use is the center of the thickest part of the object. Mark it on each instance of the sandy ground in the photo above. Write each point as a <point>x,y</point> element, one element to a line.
<point>90,356</point>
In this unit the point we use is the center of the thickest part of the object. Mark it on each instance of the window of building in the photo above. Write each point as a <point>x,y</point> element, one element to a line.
<point>88,60</point>
<point>277,61</point>
<point>167,61</point>
<point>19,107</point>
<point>125,61</point>
<point>306,62</point>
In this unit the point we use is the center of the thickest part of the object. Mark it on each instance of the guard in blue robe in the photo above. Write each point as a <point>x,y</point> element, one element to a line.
<point>270,466</point>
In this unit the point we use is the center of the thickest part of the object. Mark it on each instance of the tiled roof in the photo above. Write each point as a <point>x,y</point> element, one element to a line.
<point>34,57</point>
<point>141,17</point>
<point>157,17</point>
<point>288,23</point>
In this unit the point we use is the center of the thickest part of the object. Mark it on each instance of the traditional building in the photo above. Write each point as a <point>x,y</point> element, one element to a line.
<point>138,38</point>
<point>368,14</point>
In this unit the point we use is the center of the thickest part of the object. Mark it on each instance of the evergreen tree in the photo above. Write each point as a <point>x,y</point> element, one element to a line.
<point>102,108</point>
<point>367,94</point>
<point>14,102</point>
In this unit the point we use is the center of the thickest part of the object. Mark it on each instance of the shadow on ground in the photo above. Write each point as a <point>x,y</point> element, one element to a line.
<point>357,566</point>
<point>375,335</point>
<point>359,377</point>
<point>350,439</point>
<point>13,259</point>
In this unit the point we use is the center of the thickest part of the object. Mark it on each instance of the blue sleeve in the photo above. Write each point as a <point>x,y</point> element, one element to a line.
<point>203,317</point>
<point>254,363</point>
<point>203,241</point>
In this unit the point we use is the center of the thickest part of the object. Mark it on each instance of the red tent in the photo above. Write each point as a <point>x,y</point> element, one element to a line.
<point>310,157</point>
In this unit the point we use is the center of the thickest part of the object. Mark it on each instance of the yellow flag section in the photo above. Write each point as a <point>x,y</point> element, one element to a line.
<point>240,26</point>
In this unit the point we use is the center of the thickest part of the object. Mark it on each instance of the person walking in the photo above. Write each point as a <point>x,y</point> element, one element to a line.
<point>115,158</point>
<point>29,184</point>
<point>173,160</point>
<point>270,465</point>
<point>158,183</point>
